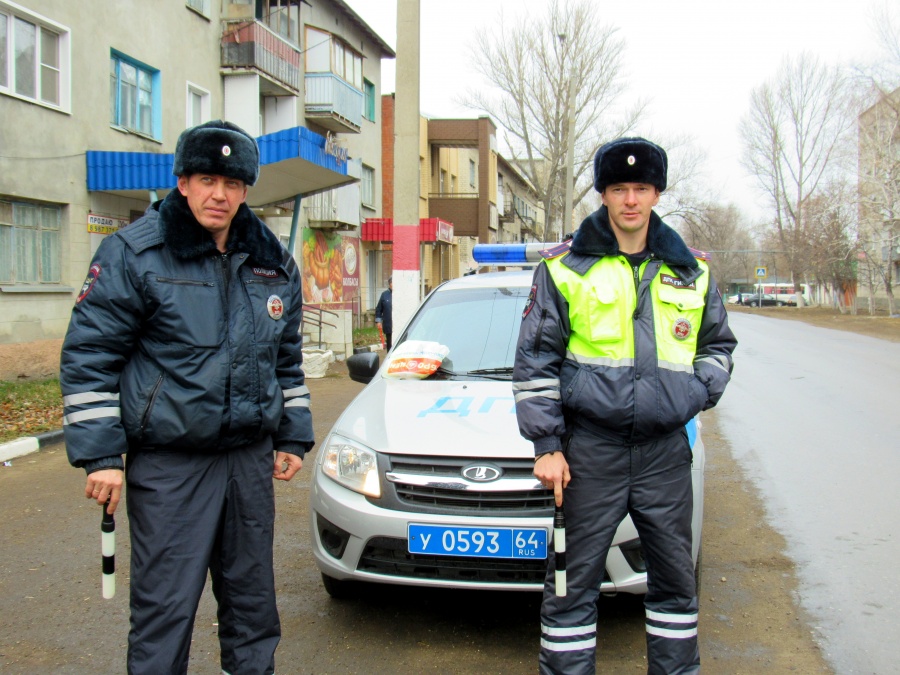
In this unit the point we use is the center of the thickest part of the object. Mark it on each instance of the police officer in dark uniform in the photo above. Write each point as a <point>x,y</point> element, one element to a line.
<point>181,366</point>
<point>623,341</point>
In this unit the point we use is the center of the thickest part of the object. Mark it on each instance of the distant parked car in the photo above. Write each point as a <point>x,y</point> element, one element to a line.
<point>764,300</point>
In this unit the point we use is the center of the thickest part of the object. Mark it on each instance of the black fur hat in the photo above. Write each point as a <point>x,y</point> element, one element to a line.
<point>630,160</point>
<point>219,148</point>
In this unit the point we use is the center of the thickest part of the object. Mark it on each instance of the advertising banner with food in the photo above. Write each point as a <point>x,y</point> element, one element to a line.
<point>330,269</point>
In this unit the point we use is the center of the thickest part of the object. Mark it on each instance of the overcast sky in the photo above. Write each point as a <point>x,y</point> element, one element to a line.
<point>696,60</point>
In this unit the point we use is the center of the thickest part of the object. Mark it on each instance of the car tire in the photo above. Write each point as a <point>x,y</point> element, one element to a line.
<point>338,589</point>
<point>779,304</point>
<point>753,304</point>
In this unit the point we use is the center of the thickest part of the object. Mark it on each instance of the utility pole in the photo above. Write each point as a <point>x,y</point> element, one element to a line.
<point>570,149</point>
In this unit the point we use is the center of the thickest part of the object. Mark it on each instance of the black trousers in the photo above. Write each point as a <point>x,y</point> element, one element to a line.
<point>652,482</point>
<point>189,514</point>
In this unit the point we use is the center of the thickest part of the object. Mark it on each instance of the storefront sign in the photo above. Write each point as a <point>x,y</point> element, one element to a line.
<point>104,224</point>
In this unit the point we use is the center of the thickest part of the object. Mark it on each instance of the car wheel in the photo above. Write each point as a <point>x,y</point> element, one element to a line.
<point>698,569</point>
<point>338,589</point>
<point>779,304</point>
<point>753,304</point>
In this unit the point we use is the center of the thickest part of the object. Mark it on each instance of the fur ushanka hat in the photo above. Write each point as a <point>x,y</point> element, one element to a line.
<point>630,160</point>
<point>219,148</point>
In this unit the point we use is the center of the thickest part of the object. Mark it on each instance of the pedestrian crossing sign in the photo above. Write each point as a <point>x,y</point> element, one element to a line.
<point>761,272</point>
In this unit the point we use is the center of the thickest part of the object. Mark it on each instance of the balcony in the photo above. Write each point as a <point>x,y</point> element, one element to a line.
<point>333,104</point>
<point>250,45</point>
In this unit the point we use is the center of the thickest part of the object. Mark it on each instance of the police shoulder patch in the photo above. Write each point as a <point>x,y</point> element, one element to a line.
<point>698,254</point>
<point>92,276</point>
<point>530,302</point>
<point>556,251</point>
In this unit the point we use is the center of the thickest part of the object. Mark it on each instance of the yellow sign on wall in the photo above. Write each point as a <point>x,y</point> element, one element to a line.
<point>104,224</point>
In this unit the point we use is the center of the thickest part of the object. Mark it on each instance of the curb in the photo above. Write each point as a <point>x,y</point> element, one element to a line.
<point>28,444</point>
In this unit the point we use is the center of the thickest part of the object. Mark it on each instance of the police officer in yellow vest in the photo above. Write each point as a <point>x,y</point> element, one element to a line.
<point>624,339</point>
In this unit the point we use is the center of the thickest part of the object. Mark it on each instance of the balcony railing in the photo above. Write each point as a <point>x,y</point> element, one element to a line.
<point>250,44</point>
<point>333,103</point>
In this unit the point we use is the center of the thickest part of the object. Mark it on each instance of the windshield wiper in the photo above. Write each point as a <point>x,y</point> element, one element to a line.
<point>487,372</point>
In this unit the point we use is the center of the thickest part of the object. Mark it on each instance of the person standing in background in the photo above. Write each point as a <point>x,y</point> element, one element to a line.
<point>383,314</point>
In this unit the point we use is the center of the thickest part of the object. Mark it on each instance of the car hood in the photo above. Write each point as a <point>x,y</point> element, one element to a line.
<point>472,418</point>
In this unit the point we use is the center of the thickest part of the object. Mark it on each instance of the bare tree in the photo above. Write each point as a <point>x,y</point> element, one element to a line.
<point>833,242</point>
<point>531,65</point>
<point>793,134</point>
<point>721,230</point>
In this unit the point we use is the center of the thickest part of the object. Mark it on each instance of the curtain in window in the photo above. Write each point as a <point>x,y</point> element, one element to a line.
<point>26,58</point>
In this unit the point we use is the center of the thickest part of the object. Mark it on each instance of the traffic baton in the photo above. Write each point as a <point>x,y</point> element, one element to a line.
<point>108,550</point>
<point>380,334</point>
<point>559,547</point>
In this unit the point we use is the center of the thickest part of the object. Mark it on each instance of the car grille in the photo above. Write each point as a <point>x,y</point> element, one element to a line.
<point>443,492</point>
<point>389,556</point>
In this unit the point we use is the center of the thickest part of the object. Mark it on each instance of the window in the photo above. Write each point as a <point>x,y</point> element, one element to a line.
<point>472,172</point>
<point>199,6</point>
<point>282,16</point>
<point>367,186</point>
<point>443,181</point>
<point>369,109</point>
<point>133,93</point>
<point>327,53</point>
<point>29,242</point>
<point>34,57</point>
<point>197,105</point>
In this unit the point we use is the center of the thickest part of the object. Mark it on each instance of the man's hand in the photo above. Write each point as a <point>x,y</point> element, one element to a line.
<point>552,470</point>
<point>105,484</point>
<point>286,465</point>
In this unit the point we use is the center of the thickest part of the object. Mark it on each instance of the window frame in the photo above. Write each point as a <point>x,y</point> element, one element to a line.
<point>192,89</point>
<point>203,9</point>
<point>367,185</point>
<point>473,173</point>
<point>38,234</point>
<point>61,64</point>
<point>155,95</point>
<point>369,100</point>
<point>341,57</point>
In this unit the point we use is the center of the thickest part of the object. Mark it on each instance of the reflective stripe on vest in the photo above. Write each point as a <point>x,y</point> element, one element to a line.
<point>602,305</point>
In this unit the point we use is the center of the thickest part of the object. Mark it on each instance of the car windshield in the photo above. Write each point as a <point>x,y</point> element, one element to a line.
<point>480,326</point>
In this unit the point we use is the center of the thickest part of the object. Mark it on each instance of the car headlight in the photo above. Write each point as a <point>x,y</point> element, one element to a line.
<point>352,465</point>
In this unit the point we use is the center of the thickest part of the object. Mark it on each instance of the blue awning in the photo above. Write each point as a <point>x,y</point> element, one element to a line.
<point>292,161</point>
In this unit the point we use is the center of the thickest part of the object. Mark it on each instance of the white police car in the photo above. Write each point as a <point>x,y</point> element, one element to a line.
<point>427,482</point>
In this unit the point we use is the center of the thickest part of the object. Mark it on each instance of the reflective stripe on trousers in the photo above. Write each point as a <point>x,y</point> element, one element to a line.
<point>652,482</point>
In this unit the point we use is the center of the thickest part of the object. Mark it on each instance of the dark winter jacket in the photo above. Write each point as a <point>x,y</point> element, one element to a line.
<point>637,395</point>
<point>383,311</point>
<point>174,346</point>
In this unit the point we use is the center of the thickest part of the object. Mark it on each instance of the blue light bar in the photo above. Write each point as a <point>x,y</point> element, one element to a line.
<point>508,254</point>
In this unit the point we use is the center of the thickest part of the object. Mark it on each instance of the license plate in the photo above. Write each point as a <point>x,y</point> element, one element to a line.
<point>478,542</point>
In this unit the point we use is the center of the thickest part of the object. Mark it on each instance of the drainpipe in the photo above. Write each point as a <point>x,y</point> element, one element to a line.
<point>294,219</point>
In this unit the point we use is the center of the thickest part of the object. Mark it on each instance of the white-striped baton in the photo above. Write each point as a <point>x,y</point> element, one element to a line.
<point>559,548</point>
<point>108,550</point>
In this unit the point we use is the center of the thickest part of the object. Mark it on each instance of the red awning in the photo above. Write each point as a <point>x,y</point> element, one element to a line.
<point>430,230</point>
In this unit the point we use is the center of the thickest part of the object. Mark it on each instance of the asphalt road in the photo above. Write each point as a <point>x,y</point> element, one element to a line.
<point>812,416</point>
<point>53,619</point>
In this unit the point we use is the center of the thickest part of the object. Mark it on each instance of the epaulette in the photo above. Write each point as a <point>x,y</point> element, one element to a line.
<point>699,255</point>
<point>556,251</point>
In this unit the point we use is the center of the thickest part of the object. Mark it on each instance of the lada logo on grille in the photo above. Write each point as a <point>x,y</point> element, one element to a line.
<point>482,473</point>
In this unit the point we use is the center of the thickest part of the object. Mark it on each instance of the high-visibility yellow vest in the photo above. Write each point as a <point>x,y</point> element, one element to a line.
<point>602,306</point>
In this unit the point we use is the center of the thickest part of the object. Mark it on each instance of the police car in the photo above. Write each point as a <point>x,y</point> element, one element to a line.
<point>427,482</point>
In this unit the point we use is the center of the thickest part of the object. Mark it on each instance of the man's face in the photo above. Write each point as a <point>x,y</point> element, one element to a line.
<point>214,200</point>
<point>629,205</point>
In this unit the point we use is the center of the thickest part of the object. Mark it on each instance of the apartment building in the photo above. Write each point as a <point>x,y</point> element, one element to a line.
<point>93,96</point>
<point>468,194</point>
<point>879,201</point>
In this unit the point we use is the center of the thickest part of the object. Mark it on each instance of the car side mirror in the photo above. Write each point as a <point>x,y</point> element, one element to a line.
<point>362,367</point>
